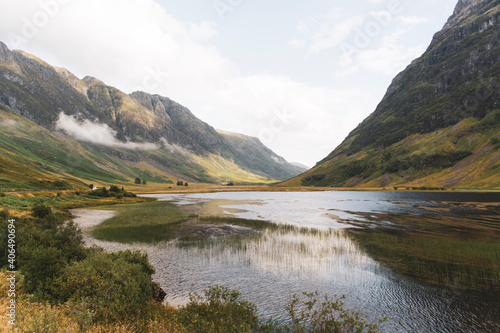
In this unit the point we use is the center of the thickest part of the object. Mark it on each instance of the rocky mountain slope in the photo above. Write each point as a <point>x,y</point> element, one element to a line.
<point>438,124</point>
<point>59,126</point>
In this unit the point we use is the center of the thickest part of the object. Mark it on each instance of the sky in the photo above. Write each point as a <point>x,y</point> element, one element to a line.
<point>299,75</point>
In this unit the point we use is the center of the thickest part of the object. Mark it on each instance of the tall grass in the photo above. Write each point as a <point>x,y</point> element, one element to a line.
<point>36,317</point>
<point>154,222</point>
<point>255,224</point>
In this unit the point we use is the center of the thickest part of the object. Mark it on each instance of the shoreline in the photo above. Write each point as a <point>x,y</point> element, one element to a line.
<point>210,188</point>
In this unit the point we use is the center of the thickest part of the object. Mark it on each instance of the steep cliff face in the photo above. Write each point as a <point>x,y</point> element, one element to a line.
<point>119,135</point>
<point>450,92</point>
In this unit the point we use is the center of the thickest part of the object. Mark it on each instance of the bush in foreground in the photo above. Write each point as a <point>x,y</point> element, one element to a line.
<point>111,285</point>
<point>220,310</point>
<point>328,316</point>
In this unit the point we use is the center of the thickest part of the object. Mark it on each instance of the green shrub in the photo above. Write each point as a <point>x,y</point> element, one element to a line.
<point>220,310</point>
<point>135,257</point>
<point>328,316</point>
<point>45,249</point>
<point>40,270</point>
<point>129,194</point>
<point>113,191</point>
<point>41,211</point>
<point>114,188</point>
<point>111,285</point>
<point>100,192</point>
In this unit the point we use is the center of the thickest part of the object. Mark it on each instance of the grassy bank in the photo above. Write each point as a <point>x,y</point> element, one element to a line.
<point>469,264</point>
<point>147,223</point>
<point>20,204</point>
<point>158,221</point>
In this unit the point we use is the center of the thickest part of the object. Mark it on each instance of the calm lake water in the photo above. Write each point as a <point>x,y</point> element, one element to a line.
<point>270,267</point>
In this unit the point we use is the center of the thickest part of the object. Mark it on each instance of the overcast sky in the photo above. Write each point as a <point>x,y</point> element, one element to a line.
<point>300,75</point>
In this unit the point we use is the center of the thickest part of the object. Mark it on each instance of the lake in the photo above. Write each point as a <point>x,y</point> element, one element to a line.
<point>269,267</point>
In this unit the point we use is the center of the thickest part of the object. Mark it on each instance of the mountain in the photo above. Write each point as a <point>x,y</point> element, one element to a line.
<point>56,127</point>
<point>438,124</point>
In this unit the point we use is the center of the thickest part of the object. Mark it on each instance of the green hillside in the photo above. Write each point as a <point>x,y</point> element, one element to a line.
<point>58,127</point>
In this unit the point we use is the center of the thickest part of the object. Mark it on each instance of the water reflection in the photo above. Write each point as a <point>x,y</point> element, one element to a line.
<point>306,251</point>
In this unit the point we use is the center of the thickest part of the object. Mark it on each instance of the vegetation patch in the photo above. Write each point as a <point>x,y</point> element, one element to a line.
<point>114,191</point>
<point>154,222</point>
<point>145,223</point>
<point>470,264</point>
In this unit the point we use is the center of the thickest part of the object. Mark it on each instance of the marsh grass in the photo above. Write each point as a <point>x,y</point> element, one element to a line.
<point>256,224</point>
<point>470,264</point>
<point>150,222</point>
<point>261,225</point>
<point>260,228</point>
<point>153,222</point>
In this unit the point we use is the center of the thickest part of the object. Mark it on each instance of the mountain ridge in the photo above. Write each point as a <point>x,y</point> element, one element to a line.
<point>450,93</point>
<point>122,134</point>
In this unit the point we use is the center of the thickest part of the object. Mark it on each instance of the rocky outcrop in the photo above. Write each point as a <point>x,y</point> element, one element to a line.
<point>158,293</point>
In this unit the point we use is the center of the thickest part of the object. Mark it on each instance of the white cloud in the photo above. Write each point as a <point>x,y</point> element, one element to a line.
<point>173,148</point>
<point>289,116</point>
<point>389,57</point>
<point>371,41</point>
<point>96,133</point>
<point>331,34</point>
<point>409,20</point>
<point>297,42</point>
<point>306,24</point>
